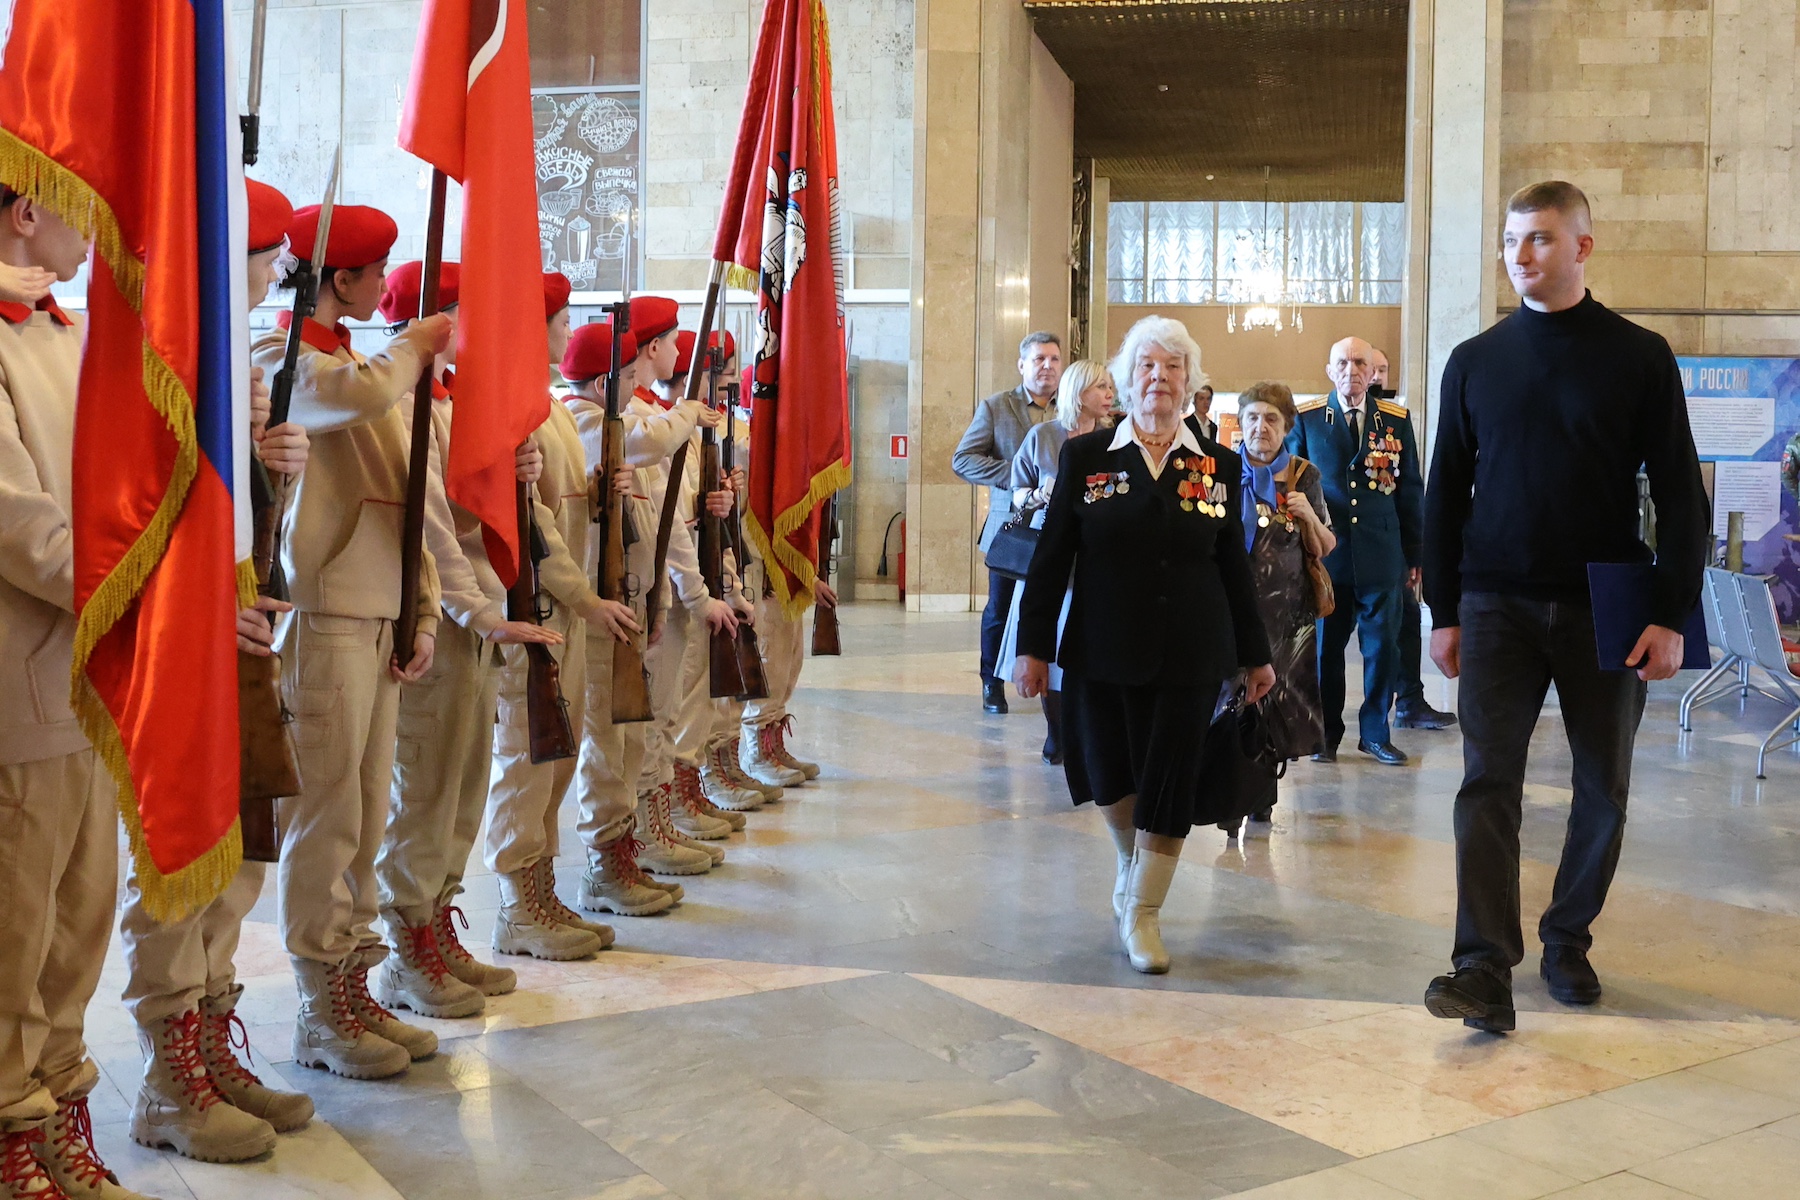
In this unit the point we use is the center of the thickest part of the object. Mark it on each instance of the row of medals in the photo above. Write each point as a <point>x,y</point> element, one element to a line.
<point>1212,503</point>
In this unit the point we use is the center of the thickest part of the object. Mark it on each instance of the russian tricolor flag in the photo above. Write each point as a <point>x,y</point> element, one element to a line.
<point>119,116</point>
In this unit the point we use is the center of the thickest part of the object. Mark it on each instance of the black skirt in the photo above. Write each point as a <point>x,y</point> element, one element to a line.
<point>1145,741</point>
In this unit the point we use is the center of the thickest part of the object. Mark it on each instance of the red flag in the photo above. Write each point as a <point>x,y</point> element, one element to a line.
<point>781,221</point>
<point>468,113</point>
<point>119,119</point>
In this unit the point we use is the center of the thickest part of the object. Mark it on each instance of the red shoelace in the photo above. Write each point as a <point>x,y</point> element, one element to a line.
<point>73,1145</point>
<point>20,1168</point>
<point>220,1033</point>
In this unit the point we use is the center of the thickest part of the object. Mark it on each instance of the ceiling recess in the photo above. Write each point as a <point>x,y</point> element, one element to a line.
<point>1189,101</point>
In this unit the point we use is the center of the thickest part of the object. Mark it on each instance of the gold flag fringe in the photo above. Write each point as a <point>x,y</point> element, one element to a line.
<point>834,478</point>
<point>248,588</point>
<point>741,278</point>
<point>31,172</point>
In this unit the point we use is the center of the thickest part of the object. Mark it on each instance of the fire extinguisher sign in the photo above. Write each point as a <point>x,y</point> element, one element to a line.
<point>897,445</point>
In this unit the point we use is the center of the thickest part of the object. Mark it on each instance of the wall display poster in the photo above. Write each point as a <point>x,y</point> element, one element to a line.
<point>587,145</point>
<point>1742,412</point>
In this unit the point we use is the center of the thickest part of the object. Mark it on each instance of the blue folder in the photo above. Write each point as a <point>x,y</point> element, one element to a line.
<point>1621,594</point>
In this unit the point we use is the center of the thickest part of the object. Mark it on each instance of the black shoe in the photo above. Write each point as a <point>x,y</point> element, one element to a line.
<point>1325,754</point>
<point>1477,997</point>
<point>1383,752</point>
<point>993,696</point>
<point>1230,828</point>
<point>1423,716</point>
<point>1263,816</point>
<point>1053,755</point>
<point>1571,979</point>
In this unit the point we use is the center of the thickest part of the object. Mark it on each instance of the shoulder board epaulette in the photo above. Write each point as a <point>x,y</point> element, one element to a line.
<point>1311,405</point>
<point>1392,409</point>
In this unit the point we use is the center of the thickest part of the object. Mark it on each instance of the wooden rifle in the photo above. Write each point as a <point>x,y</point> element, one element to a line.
<point>825,618</point>
<point>665,526</point>
<point>749,652</point>
<point>630,681</point>
<point>268,763</point>
<point>547,712</point>
<point>727,676</point>
<point>418,467</point>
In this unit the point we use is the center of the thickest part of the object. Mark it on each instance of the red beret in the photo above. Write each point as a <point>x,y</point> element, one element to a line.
<point>589,355</point>
<point>685,341</point>
<point>556,293</point>
<point>270,216</point>
<point>653,316</point>
<point>360,235</point>
<point>400,297</point>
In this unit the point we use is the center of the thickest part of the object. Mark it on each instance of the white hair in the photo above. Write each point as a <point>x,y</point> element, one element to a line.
<point>1170,335</point>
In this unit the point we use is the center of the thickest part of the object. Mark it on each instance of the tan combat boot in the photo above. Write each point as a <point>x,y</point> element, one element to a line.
<point>664,816</point>
<point>692,814</point>
<point>660,853</point>
<point>522,926</point>
<point>733,795</point>
<point>22,1176</point>
<point>180,1106</point>
<point>285,1111</point>
<point>415,975</point>
<point>756,754</point>
<point>784,756</point>
<point>543,879</point>
<point>418,1043</point>
<point>68,1154</point>
<point>327,1032</point>
<point>613,882</point>
<point>485,978</point>
<point>731,765</point>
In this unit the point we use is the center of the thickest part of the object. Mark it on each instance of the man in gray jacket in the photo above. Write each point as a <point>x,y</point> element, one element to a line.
<point>984,458</point>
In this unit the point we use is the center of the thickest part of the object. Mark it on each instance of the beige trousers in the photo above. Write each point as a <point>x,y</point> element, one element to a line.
<point>691,729</point>
<point>446,741</point>
<point>59,877</point>
<point>334,674</point>
<point>524,797</point>
<point>783,652</point>
<point>669,661</point>
<point>612,756</point>
<point>172,966</point>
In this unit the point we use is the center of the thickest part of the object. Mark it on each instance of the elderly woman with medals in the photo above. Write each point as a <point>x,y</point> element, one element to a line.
<point>1146,518</point>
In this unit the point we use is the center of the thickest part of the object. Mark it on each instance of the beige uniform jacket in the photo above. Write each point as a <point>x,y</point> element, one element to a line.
<point>564,515</point>
<point>649,426</point>
<point>473,595</point>
<point>40,361</point>
<point>341,542</point>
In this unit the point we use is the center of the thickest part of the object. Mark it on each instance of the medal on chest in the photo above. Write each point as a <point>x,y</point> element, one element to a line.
<point>1381,462</point>
<point>1104,484</point>
<point>1199,488</point>
<point>1278,515</point>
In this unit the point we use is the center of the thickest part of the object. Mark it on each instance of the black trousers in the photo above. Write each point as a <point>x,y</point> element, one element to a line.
<point>1411,693</point>
<point>1513,649</point>
<point>1374,615</point>
<point>993,620</point>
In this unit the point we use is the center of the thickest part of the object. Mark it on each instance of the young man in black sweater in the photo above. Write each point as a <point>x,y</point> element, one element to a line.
<point>1544,422</point>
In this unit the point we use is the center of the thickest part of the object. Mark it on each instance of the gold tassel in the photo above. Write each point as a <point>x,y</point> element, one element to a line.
<point>247,586</point>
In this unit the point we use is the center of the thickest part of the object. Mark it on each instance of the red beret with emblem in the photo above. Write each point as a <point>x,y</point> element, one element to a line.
<point>360,235</point>
<point>653,316</point>
<point>556,293</point>
<point>270,216</point>
<point>685,342</point>
<point>400,296</point>
<point>589,355</point>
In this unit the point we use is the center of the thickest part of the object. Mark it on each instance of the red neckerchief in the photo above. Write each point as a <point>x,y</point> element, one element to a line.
<point>649,397</point>
<point>441,388</point>
<point>14,313</point>
<point>330,338</point>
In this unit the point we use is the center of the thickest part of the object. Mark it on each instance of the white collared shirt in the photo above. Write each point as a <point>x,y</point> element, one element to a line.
<point>1126,432</point>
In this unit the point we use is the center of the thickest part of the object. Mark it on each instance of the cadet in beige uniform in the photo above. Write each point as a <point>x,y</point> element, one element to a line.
<point>524,797</point>
<point>197,1098</point>
<point>341,674</point>
<point>59,823</point>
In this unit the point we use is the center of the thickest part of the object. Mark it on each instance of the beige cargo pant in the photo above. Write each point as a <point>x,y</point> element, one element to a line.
<point>440,787</point>
<point>59,874</point>
<point>783,652</point>
<point>670,663</point>
<point>172,966</point>
<point>612,756</point>
<point>334,675</point>
<point>525,798</point>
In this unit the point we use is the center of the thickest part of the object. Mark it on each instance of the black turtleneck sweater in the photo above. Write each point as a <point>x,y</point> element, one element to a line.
<point>1543,424</point>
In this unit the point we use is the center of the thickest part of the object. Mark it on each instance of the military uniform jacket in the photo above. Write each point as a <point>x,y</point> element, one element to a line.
<point>1162,593</point>
<point>565,514</point>
<point>1374,488</point>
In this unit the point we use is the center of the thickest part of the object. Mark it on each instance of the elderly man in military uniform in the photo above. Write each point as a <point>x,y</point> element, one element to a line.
<point>1374,488</point>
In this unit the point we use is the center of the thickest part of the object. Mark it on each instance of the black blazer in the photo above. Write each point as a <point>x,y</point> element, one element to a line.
<point>1161,596</point>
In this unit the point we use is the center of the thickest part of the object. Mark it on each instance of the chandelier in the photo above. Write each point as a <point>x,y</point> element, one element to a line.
<point>1266,282</point>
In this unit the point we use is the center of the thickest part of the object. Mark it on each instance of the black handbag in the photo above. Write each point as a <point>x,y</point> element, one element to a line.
<point>1014,543</point>
<point>1239,764</point>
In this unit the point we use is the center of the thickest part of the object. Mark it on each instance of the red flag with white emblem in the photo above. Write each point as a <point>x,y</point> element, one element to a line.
<point>468,113</point>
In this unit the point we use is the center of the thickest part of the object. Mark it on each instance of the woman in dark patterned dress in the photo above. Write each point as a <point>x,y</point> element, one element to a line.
<point>1285,521</point>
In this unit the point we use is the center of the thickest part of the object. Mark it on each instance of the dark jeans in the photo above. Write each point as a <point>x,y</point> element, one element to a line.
<point>1513,649</point>
<point>1411,693</point>
<point>993,620</point>
<point>1373,614</point>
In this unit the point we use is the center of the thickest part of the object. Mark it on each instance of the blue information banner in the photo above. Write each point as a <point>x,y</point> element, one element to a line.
<point>1743,411</point>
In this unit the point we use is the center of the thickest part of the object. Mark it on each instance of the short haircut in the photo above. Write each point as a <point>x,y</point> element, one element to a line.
<point>1173,337</point>
<point>1077,378</point>
<point>1041,337</point>
<point>1276,395</point>
<point>1553,195</point>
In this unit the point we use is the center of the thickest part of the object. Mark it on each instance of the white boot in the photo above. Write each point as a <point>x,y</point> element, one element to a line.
<point>543,879</point>
<point>1124,841</point>
<point>730,765</point>
<point>327,1032</point>
<point>613,882</point>
<point>179,1104</point>
<point>756,754</point>
<point>485,978</point>
<point>1145,890</point>
<point>785,757</point>
<point>661,854</point>
<point>523,927</point>
<point>71,1161</point>
<point>414,975</point>
<point>690,809</point>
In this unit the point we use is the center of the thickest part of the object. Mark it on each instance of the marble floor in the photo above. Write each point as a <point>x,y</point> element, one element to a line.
<point>904,983</point>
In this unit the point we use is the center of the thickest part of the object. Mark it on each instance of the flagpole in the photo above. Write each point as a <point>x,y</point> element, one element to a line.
<point>665,526</point>
<point>418,465</point>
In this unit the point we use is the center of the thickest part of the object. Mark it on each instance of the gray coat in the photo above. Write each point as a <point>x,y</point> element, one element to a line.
<point>985,454</point>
